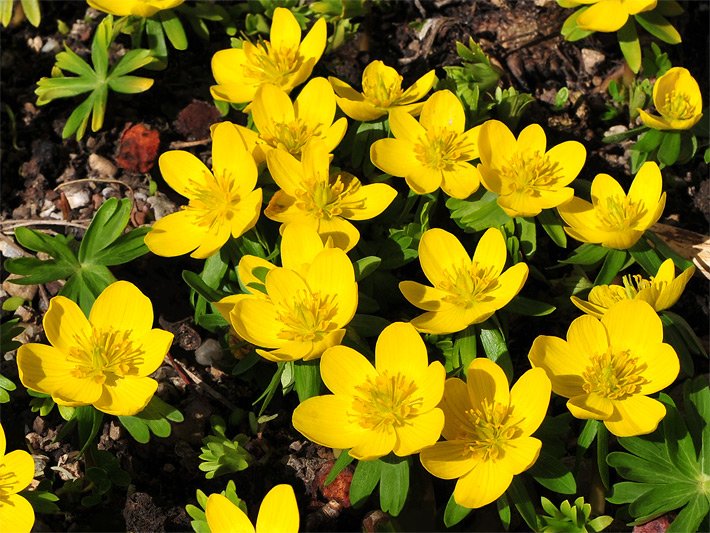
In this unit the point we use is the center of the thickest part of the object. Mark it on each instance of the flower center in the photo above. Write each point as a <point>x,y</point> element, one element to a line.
<point>678,105</point>
<point>293,136</point>
<point>214,201</point>
<point>615,376</point>
<point>269,64</point>
<point>307,317</point>
<point>487,430</point>
<point>382,90</point>
<point>531,171</point>
<point>104,352</point>
<point>620,213</point>
<point>441,148</point>
<point>468,284</point>
<point>388,400</point>
<point>329,199</point>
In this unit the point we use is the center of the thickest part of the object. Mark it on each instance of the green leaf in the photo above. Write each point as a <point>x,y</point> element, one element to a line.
<point>454,513</point>
<point>77,121</point>
<point>629,44</point>
<point>528,235</point>
<point>108,223</point>
<point>57,246</point>
<point>125,249</point>
<point>136,427</point>
<point>307,377</point>
<point>465,346</point>
<point>70,61</point>
<point>32,12</point>
<point>627,492</point>
<point>586,254</point>
<point>658,26</point>
<point>660,500</point>
<point>529,307</point>
<point>198,285</point>
<point>669,150</point>
<point>36,271</point>
<point>89,422</point>
<point>692,516</point>
<point>478,213</point>
<point>99,47</point>
<point>649,141</point>
<point>519,497</point>
<point>365,479</point>
<point>495,347</point>
<point>133,60</point>
<point>368,325</point>
<point>173,28</point>
<point>504,512</point>
<point>394,484</point>
<point>553,226</point>
<point>341,463</point>
<point>366,266</point>
<point>130,84</point>
<point>571,31</point>
<point>646,256</point>
<point>613,263</point>
<point>553,475</point>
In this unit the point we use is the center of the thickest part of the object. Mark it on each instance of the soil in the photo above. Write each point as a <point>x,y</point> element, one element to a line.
<point>520,36</point>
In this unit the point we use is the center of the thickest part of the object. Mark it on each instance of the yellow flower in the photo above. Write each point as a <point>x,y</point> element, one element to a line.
<point>311,194</point>
<point>381,93</point>
<point>222,202</point>
<point>661,291</point>
<point>466,290</point>
<point>607,368</point>
<point>16,472</point>
<point>487,431</point>
<point>278,513</point>
<point>526,178</point>
<point>614,219</point>
<point>433,152</point>
<point>376,410</point>
<point>289,126</point>
<point>303,314</point>
<point>284,61</point>
<point>103,361</point>
<point>139,8</point>
<point>677,98</point>
<point>608,15</point>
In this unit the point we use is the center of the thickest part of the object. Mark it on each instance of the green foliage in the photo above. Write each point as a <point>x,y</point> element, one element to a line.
<point>41,498</point>
<point>561,99</point>
<point>155,419</point>
<point>391,473</point>
<point>571,518</point>
<point>29,7</point>
<point>666,470</point>
<point>222,455</point>
<point>102,476</point>
<point>8,331</point>
<point>199,521</point>
<point>96,79</point>
<point>85,267</point>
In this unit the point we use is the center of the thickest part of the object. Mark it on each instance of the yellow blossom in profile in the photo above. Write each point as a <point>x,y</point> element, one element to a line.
<point>661,291</point>
<point>526,177</point>
<point>290,126</point>
<point>678,99</point>
<point>138,8</point>
<point>222,202</point>
<point>615,219</point>
<point>608,368</point>
<point>104,361</point>
<point>487,431</point>
<point>278,513</point>
<point>17,469</point>
<point>391,407</point>
<point>285,60</point>
<point>434,152</point>
<point>301,315</point>
<point>467,290</point>
<point>326,201</point>
<point>381,93</point>
<point>608,15</point>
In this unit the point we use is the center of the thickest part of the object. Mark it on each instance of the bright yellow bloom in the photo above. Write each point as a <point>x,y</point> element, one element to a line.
<point>104,361</point>
<point>607,368</point>
<point>284,60</point>
<point>526,178</point>
<point>661,291</point>
<point>677,98</point>
<point>312,195</point>
<point>381,93</point>
<point>139,8</point>
<point>289,126</point>
<point>278,513</point>
<point>376,410</point>
<point>615,219</point>
<point>303,315</point>
<point>487,431</point>
<point>223,202</point>
<point>433,152</point>
<point>16,472</point>
<point>466,290</point>
<point>608,15</point>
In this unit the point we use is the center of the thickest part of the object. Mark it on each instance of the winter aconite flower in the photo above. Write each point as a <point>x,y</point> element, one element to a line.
<point>466,290</point>
<point>608,368</point>
<point>381,93</point>
<point>434,152</point>
<point>607,15</point>
<point>678,99</point>
<point>103,361</point>
<point>222,202</point>
<point>526,178</point>
<point>284,60</point>
<point>661,291</point>
<point>16,472</point>
<point>278,513</point>
<point>138,8</point>
<point>487,431</point>
<point>311,194</point>
<point>302,315</point>
<point>615,219</point>
<point>377,410</point>
<point>289,126</point>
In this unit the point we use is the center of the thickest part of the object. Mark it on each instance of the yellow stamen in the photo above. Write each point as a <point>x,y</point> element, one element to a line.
<point>382,91</point>
<point>104,352</point>
<point>307,317</point>
<point>468,283</point>
<point>620,213</point>
<point>615,376</point>
<point>488,429</point>
<point>388,400</point>
<point>270,64</point>
<point>441,148</point>
<point>329,199</point>
<point>215,200</point>
<point>531,172</point>
<point>678,105</point>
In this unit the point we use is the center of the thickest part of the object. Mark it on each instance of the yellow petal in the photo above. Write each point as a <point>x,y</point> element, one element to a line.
<point>496,144</point>
<point>423,296</point>
<point>64,322</point>
<point>395,340</point>
<point>647,186</point>
<point>228,154</point>
<point>315,105</point>
<point>335,134</point>
<point>486,382</point>
<point>225,517</point>
<point>443,110</point>
<point>636,415</point>
<point>247,265</point>
<point>462,181</point>
<point>3,441</point>
<point>654,121</point>
<point>447,320</point>
<point>633,325</point>
<point>278,511</point>
<point>344,90</point>
<point>671,292</point>
<point>326,420</point>
<point>532,139</point>
<point>580,216</point>
<point>284,208</point>
<point>286,170</point>
<point>510,283</point>
<point>245,215</point>
<point>597,311</point>
<point>590,406</point>
<point>491,252</point>
<point>155,346</point>
<point>484,484</point>
<point>419,432</point>
<point>285,32</point>
<point>418,90</point>
<point>344,370</point>
<point>344,235</point>
<point>123,307</point>
<point>376,443</point>
<point>569,157</point>
<point>439,251</point>
<point>271,106</point>
<point>126,396</point>
<point>605,187</point>
<point>605,16</point>
<point>456,404</point>
<point>563,365</point>
<point>17,469</point>
<point>394,156</point>
<point>185,174</point>
<point>586,337</point>
<point>368,202</point>
<point>227,66</point>
<point>238,93</point>
<point>529,398</point>
<point>300,245</point>
<point>257,321</point>
<point>431,386</point>
<point>405,127</point>
<point>313,44</point>
<point>521,454</point>
<point>661,368</point>
<point>448,460</point>
<point>316,161</point>
<point>332,274</point>
<point>16,514</point>
<point>175,234</point>
<point>213,239</point>
<point>360,109</point>
<point>424,179</point>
